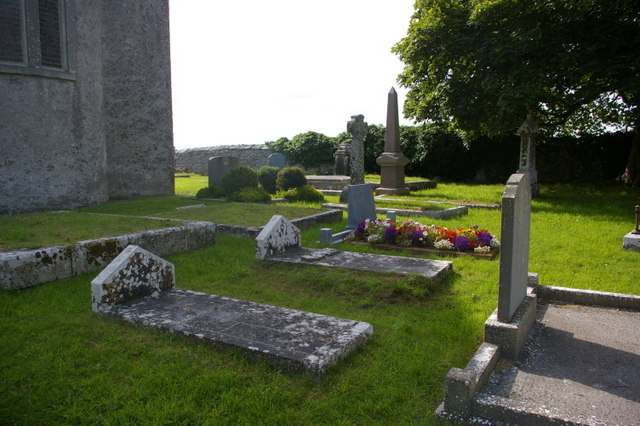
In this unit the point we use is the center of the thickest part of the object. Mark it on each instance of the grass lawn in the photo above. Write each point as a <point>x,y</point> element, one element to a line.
<point>60,363</point>
<point>46,229</point>
<point>191,185</point>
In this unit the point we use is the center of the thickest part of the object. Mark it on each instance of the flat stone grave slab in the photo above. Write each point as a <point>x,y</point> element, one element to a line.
<point>434,269</point>
<point>291,340</point>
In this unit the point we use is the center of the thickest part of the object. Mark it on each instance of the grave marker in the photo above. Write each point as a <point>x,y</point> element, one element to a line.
<point>357,127</point>
<point>219,166</point>
<point>514,251</point>
<point>278,160</point>
<point>277,236</point>
<point>360,204</point>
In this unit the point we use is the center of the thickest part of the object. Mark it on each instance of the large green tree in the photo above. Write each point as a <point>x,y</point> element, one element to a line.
<point>480,66</point>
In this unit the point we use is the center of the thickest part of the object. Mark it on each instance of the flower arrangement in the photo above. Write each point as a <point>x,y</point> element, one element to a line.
<point>414,234</point>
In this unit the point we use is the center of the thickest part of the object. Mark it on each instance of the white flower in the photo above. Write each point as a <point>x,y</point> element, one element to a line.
<point>495,243</point>
<point>443,245</point>
<point>375,238</point>
<point>482,250</point>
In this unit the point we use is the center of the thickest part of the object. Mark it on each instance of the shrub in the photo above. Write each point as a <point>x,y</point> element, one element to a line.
<point>239,177</point>
<point>304,193</point>
<point>289,178</point>
<point>309,149</point>
<point>250,195</point>
<point>214,191</point>
<point>267,178</point>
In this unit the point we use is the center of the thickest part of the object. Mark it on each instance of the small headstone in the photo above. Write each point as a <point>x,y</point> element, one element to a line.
<point>134,273</point>
<point>514,251</point>
<point>278,160</point>
<point>277,236</point>
<point>342,156</point>
<point>219,166</point>
<point>357,127</point>
<point>360,204</point>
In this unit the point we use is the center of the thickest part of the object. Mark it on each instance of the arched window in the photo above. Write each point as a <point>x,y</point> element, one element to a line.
<point>33,37</point>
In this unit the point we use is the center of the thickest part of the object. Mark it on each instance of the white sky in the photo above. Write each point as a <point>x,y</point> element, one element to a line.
<point>250,71</point>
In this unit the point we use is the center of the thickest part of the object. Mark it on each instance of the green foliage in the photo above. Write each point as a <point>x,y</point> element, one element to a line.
<point>305,194</point>
<point>239,177</point>
<point>486,64</point>
<point>250,195</point>
<point>308,149</point>
<point>290,177</point>
<point>213,191</point>
<point>267,178</point>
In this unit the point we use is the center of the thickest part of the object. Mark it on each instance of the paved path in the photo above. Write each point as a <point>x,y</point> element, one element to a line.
<point>581,365</point>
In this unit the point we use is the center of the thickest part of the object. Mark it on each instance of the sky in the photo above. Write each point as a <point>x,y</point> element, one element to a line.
<point>251,71</point>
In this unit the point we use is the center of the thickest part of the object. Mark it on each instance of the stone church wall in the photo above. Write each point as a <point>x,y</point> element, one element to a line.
<point>195,160</point>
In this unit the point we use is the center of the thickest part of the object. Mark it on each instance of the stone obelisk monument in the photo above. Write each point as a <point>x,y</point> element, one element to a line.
<point>392,161</point>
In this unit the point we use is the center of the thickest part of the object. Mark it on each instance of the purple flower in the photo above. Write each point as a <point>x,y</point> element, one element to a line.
<point>484,238</point>
<point>360,229</point>
<point>390,234</point>
<point>462,243</point>
<point>418,237</point>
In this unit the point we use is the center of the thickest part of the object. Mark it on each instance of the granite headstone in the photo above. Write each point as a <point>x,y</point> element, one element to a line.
<point>219,166</point>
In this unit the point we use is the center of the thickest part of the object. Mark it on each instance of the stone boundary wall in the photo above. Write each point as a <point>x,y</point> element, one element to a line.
<point>195,160</point>
<point>26,268</point>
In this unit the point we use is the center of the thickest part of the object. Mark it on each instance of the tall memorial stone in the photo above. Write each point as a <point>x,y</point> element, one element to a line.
<point>357,127</point>
<point>528,133</point>
<point>514,251</point>
<point>392,161</point>
<point>219,166</point>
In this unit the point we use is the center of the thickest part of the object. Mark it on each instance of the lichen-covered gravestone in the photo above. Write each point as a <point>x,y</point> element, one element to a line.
<point>278,160</point>
<point>357,127</point>
<point>134,273</point>
<point>277,235</point>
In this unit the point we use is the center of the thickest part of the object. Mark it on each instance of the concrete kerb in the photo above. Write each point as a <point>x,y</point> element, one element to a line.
<point>435,214</point>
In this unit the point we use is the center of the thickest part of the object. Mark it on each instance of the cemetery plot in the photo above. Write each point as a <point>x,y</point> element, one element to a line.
<point>139,287</point>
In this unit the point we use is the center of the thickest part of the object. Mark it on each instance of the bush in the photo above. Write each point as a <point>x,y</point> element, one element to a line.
<point>250,195</point>
<point>214,191</point>
<point>239,177</point>
<point>289,178</point>
<point>267,178</point>
<point>304,193</point>
<point>309,149</point>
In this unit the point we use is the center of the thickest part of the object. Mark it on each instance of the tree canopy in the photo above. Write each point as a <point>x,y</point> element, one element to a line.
<point>480,66</point>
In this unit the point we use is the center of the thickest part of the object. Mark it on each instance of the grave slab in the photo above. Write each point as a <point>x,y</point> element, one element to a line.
<point>139,287</point>
<point>293,341</point>
<point>433,269</point>
<point>631,242</point>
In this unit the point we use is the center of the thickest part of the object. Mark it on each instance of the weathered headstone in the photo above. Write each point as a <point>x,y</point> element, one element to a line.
<point>528,133</point>
<point>278,160</point>
<point>357,127</point>
<point>631,241</point>
<point>277,235</point>
<point>360,204</point>
<point>514,251</point>
<point>219,166</point>
<point>392,161</point>
<point>342,156</point>
<point>134,273</point>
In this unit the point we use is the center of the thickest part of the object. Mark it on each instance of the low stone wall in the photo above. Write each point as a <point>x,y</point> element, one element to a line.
<point>25,268</point>
<point>195,160</point>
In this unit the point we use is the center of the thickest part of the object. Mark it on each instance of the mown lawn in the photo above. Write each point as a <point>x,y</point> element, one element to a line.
<point>60,363</point>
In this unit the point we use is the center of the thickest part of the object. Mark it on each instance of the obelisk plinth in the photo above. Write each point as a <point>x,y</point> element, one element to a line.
<point>392,161</point>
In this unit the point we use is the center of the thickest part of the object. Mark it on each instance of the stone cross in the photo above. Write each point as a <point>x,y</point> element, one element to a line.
<point>357,127</point>
<point>528,133</point>
<point>392,161</point>
<point>514,251</point>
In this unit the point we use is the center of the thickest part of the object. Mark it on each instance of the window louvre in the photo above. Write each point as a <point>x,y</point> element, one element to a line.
<point>11,31</point>
<point>49,19</point>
